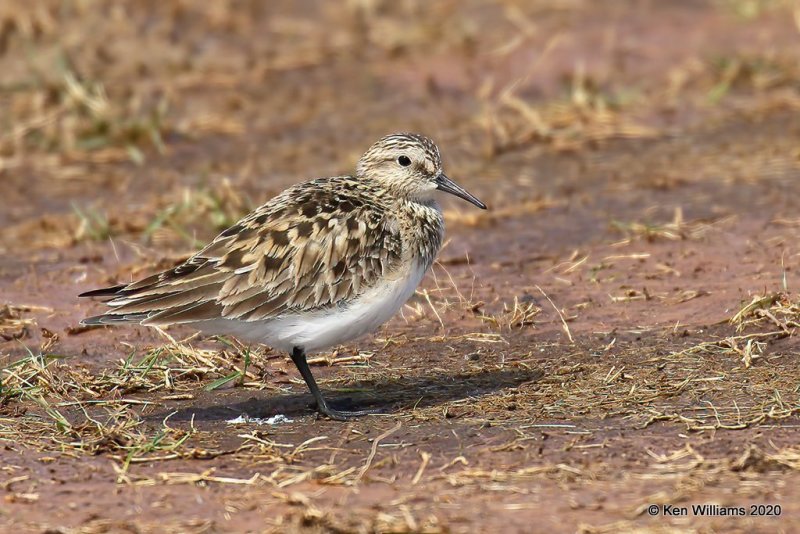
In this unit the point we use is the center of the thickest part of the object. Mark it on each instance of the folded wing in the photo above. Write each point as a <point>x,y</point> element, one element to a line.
<point>308,248</point>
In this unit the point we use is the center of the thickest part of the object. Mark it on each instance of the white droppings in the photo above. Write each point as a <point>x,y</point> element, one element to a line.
<point>245,419</point>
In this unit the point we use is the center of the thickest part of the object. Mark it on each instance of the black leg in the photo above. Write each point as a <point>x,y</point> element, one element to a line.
<point>299,359</point>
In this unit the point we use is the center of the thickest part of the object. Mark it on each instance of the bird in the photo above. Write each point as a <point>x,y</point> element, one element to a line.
<point>322,263</point>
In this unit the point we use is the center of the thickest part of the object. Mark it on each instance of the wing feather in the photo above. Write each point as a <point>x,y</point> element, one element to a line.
<point>314,246</point>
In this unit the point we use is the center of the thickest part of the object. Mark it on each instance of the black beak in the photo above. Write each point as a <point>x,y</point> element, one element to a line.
<point>443,183</point>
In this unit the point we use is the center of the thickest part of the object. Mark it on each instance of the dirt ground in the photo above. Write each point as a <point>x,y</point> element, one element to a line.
<point>619,330</point>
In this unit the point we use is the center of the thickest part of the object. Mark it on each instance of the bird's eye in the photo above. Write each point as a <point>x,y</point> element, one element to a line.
<point>404,161</point>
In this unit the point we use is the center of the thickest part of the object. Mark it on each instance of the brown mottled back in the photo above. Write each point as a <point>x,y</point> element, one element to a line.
<point>312,247</point>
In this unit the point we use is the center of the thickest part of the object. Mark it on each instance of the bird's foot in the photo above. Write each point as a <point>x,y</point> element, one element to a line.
<point>344,415</point>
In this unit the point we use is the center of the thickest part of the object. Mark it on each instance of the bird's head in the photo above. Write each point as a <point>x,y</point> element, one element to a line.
<point>410,166</point>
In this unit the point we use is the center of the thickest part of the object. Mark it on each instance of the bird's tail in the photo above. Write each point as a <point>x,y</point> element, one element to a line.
<point>107,292</point>
<point>110,318</point>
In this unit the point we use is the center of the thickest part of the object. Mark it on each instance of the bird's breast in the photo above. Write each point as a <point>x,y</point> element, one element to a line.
<point>423,235</point>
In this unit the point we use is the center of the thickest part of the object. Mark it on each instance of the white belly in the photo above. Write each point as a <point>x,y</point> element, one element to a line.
<point>320,330</point>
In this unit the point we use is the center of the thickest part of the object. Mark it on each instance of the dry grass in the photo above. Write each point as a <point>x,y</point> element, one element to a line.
<point>780,309</point>
<point>517,315</point>
<point>766,319</point>
<point>751,9</point>
<point>713,372</point>
<point>76,117</point>
<point>594,111</point>
<point>72,407</point>
<point>675,230</point>
<point>63,410</point>
<point>211,208</point>
<point>183,219</point>
<point>48,404</point>
<point>14,324</point>
<point>587,116</point>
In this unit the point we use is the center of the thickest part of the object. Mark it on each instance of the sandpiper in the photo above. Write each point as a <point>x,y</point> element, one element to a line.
<point>322,263</point>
